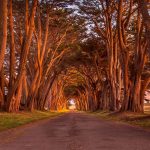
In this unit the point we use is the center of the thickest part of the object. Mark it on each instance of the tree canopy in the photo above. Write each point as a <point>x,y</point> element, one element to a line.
<point>96,52</point>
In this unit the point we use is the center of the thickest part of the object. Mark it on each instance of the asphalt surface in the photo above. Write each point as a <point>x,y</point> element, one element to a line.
<point>75,131</point>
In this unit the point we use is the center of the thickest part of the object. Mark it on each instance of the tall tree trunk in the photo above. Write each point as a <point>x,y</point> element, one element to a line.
<point>143,4</point>
<point>24,54</point>
<point>132,78</point>
<point>2,90</point>
<point>40,57</point>
<point>3,30</point>
<point>12,47</point>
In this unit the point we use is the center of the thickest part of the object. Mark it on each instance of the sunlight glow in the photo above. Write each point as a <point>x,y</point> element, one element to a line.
<point>72,105</point>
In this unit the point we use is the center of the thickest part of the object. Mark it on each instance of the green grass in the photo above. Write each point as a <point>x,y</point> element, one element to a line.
<point>141,120</point>
<point>12,120</point>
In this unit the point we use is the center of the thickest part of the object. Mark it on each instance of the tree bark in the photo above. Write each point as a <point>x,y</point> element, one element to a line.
<point>3,30</point>
<point>12,46</point>
<point>24,54</point>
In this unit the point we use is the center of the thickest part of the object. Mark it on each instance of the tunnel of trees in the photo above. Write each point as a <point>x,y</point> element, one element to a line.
<point>95,51</point>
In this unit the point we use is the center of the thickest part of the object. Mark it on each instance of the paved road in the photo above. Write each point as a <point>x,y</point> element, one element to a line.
<point>75,131</point>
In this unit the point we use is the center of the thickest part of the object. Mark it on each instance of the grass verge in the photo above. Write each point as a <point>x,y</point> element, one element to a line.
<point>12,120</point>
<point>136,119</point>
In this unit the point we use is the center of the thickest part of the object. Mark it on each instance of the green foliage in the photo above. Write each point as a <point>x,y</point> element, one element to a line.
<point>12,120</point>
<point>136,119</point>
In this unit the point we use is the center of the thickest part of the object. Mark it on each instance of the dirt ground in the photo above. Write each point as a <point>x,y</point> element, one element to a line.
<point>75,131</point>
